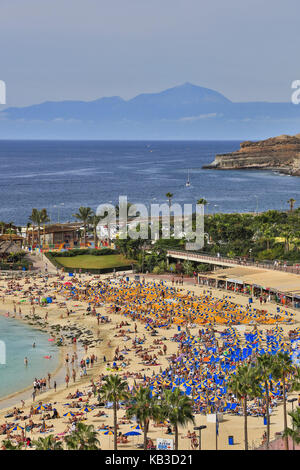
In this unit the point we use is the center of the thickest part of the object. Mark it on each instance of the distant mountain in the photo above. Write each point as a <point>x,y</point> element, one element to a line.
<point>183,112</point>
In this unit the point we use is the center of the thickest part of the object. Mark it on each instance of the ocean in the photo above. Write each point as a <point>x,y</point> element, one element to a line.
<point>18,339</point>
<point>64,175</point>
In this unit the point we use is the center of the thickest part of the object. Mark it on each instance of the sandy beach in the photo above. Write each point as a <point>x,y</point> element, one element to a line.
<point>102,339</point>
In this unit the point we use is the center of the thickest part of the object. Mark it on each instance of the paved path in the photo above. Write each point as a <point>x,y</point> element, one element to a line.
<point>41,263</point>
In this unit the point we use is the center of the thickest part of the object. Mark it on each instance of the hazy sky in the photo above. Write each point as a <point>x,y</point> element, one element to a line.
<point>86,49</point>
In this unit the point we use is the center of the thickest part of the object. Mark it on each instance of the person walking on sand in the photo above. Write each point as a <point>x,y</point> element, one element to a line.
<point>74,375</point>
<point>67,380</point>
<point>54,385</point>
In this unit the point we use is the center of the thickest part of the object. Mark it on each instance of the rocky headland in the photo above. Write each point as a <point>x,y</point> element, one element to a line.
<point>280,153</point>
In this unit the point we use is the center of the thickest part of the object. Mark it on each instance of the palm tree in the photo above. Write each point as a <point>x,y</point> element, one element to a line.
<point>268,233</point>
<point>291,202</point>
<point>169,196</point>
<point>83,438</point>
<point>178,409</point>
<point>144,408</point>
<point>202,201</point>
<point>84,214</point>
<point>265,367</point>
<point>287,234</point>
<point>39,218</point>
<point>114,390</point>
<point>47,443</point>
<point>245,384</point>
<point>28,225</point>
<point>2,226</point>
<point>296,380</point>
<point>8,445</point>
<point>283,367</point>
<point>294,431</point>
<point>94,221</point>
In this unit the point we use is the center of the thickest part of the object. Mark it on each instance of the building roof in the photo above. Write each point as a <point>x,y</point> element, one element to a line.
<point>11,236</point>
<point>57,228</point>
<point>7,247</point>
<point>266,278</point>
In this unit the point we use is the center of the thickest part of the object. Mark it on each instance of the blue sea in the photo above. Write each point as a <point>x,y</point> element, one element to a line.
<point>64,175</point>
<point>19,338</point>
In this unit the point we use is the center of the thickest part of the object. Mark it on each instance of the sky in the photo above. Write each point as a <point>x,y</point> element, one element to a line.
<point>54,50</point>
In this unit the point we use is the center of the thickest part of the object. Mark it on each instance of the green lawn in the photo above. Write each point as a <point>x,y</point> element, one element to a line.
<point>96,262</point>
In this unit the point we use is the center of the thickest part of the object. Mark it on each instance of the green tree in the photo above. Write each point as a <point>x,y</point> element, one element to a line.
<point>188,268</point>
<point>283,367</point>
<point>8,445</point>
<point>83,438</point>
<point>294,431</point>
<point>84,214</point>
<point>47,443</point>
<point>169,197</point>
<point>245,384</point>
<point>144,408</point>
<point>265,367</point>
<point>291,202</point>
<point>114,390</point>
<point>202,201</point>
<point>39,218</point>
<point>178,409</point>
<point>295,384</point>
<point>94,221</point>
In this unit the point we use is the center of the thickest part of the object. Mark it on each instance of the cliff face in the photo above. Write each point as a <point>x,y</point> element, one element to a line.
<point>277,153</point>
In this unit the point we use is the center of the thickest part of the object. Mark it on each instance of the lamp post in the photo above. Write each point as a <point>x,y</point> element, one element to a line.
<point>292,400</point>
<point>199,428</point>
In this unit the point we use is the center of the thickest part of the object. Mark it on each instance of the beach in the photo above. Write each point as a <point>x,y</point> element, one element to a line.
<point>102,340</point>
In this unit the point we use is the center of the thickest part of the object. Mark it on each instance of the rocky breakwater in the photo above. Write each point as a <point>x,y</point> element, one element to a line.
<point>280,153</point>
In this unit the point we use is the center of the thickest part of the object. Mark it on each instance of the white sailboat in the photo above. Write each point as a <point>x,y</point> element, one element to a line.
<point>188,184</point>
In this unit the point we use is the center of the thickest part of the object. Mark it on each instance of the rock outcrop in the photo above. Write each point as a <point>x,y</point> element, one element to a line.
<point>280,153</point>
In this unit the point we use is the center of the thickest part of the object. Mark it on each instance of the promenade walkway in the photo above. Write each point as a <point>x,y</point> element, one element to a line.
<point>229,262</point>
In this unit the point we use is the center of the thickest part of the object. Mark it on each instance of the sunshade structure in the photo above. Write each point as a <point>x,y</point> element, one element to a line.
<point>157,305</point>
<point>17,428</point>
<point>202,370</point>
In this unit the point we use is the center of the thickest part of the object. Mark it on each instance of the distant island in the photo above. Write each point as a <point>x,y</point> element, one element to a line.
<point>183,112</point>
<point>280,153</point>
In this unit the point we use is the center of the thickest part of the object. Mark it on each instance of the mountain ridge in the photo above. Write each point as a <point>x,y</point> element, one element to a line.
<point>185,111</point>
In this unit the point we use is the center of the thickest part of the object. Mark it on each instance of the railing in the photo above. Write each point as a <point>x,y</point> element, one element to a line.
<point>294,269</point>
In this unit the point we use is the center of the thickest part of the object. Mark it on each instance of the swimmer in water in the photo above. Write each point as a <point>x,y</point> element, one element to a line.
<point>26,361</point>
<point>33,345</point>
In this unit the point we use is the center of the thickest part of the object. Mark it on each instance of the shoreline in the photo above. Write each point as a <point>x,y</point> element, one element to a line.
<point>10,400</point>
<point>54,374</point>
<point>110,338</point>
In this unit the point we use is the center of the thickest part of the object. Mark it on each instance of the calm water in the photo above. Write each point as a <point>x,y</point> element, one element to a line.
<point>63,176</point>
<point>19,339</point>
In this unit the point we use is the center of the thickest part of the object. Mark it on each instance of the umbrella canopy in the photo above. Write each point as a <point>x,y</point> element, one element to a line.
<point>17,428</point>
<point>132,433</point>
<point>87,409</point>
<point>137,426</point>
<point>41,408</point>
<point>69,414</point>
